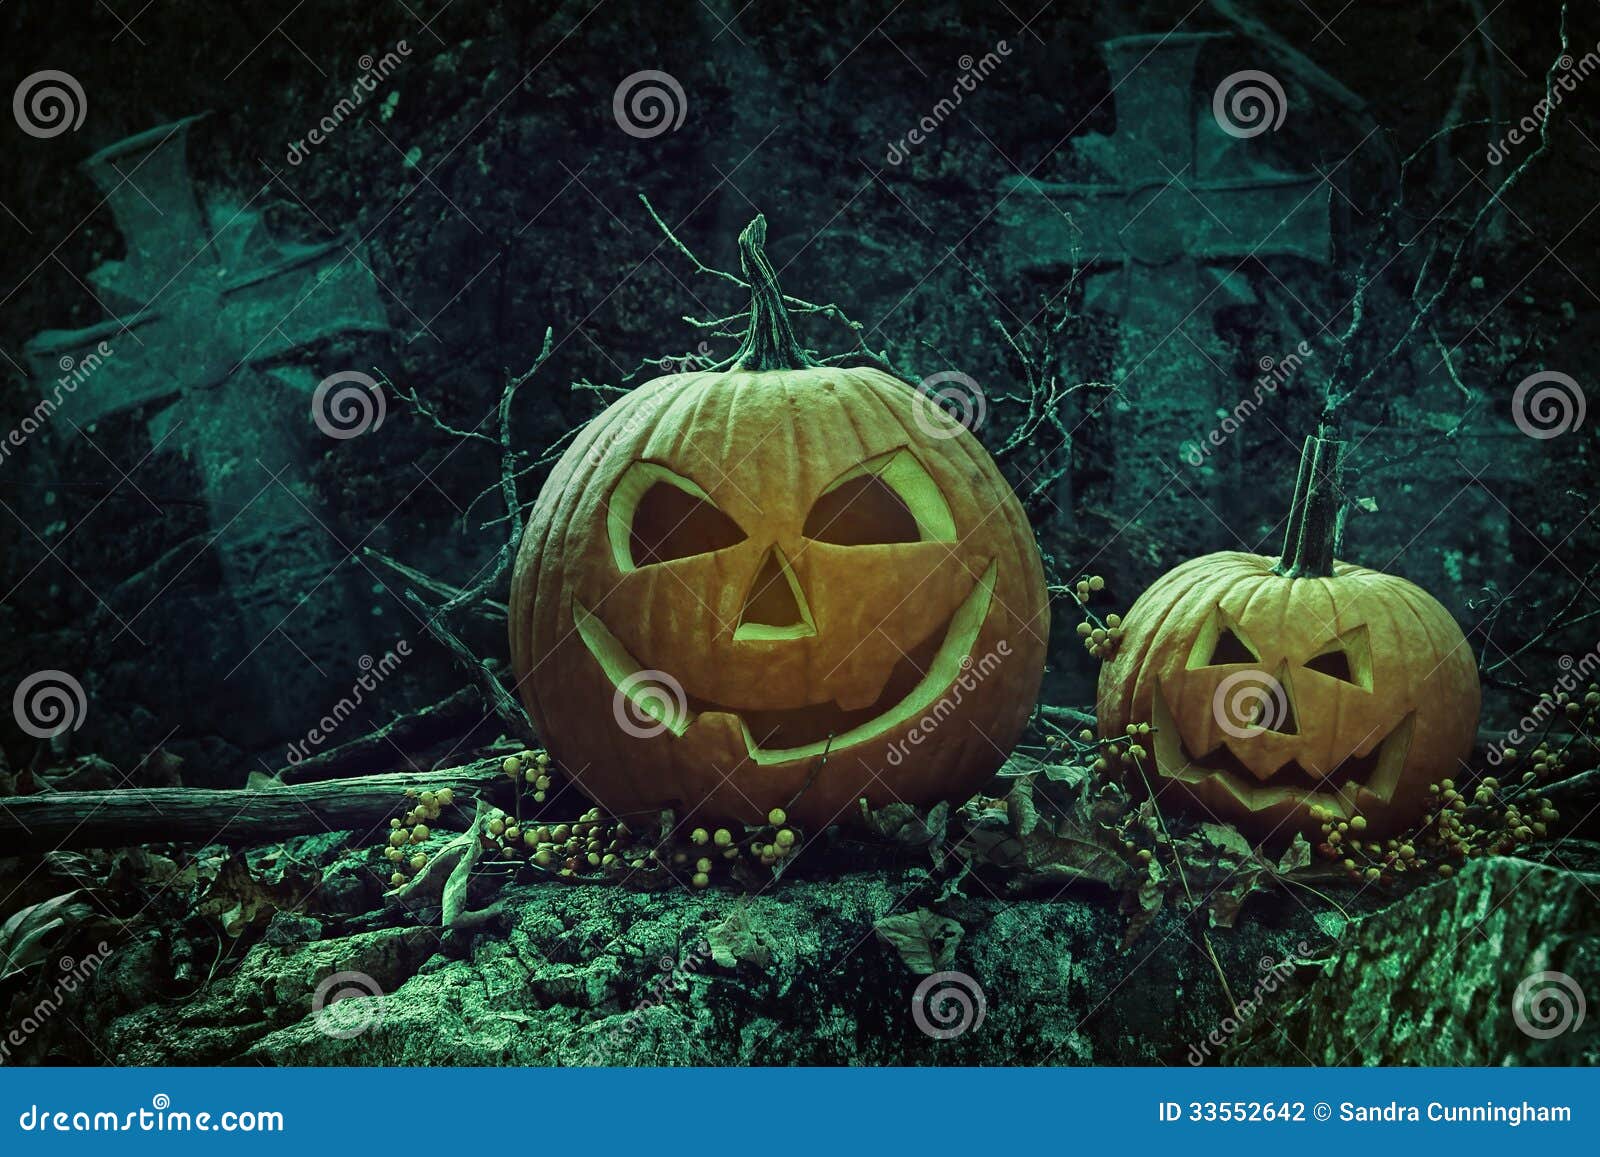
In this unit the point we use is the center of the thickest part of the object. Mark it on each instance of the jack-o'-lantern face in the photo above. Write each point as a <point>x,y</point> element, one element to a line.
<point>1269,695</point>
<point>738,588</point>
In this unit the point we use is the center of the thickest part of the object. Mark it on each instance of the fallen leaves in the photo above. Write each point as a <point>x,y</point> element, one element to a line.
<point>926,941</point>
<point>239,899</point>
<point>40,931</point>
<point>734,941</point>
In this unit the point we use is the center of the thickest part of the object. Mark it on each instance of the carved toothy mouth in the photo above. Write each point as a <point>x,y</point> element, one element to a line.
<point>779,735</point>
<point>1377,773</point>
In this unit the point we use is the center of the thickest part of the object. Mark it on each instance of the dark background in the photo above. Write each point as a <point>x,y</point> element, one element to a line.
<point>493,194</point>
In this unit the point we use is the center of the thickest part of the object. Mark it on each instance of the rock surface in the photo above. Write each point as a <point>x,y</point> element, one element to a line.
<point>600,975</point>
<point>819,970</point>
<point>1451,976</point>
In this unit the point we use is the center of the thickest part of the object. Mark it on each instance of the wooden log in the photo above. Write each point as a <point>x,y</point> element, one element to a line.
<point>59,821</point>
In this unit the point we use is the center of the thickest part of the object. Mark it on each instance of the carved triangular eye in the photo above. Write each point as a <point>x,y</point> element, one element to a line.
<point>657,515</point>
<point>890,498</point>
<point>1334,663</point>
<point>1348,658</point>
<point>669,524</point>
<point>1230,648</point>
<point>861,511</point>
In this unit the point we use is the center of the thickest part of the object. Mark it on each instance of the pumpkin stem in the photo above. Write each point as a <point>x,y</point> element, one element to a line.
<point>1316,517</point>
<point>769,343</point>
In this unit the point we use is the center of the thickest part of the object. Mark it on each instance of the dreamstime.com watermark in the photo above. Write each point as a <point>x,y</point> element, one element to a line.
<point>48,703</point>
<point>72,974</point>
<point>973,73</point>
<point>646,703</point>
<point>1249,103</point>
<point>1548,404</point>
<point>669,984</point>
<point>971,675</point>
<point>1273,974</point>
<point>948,402</point>
<point>1551,703</point>
<point>49,103</point>
<point>74,372</point>
<point>373,673</point>
<point>643,414</point>
<point>373,74</point>
<point>160,1117</point>
<point>1547,1004</point>
<point>649,103</point>
<point>948,1004</point>
<point>1275,373</point>
<point>348,404</point>
<point>1246,703</point>
<point>1572,72</point>
<point>347,1004</point>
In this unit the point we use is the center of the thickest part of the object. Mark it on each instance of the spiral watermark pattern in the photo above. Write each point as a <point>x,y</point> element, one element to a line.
<point>48,703</point>
<point>647,703</point>
<point>649,103</point>
<point>1548,404</point>
<point>948,1004</point>
<point>1548,1004</point>
<point>1248,702</point>
<point>48,104</point>
<point>348,404</point>
<point>949,402</point>
<point>1249,103</point>
<point>347,1004</point>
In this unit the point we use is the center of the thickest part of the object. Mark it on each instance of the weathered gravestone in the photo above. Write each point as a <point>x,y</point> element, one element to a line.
<point>211,322</point>
<point>1164,242</point>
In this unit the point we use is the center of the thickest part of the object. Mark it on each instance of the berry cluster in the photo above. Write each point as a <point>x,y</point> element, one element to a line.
<point>412,831</point>
<point>1101,637</point>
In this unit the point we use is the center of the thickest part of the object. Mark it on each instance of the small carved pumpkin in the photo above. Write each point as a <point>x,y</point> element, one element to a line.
<point>1273,686</point>
<point>780,585</point>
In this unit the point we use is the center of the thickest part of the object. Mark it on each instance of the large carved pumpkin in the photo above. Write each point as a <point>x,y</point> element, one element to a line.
<point>1275,686</point>
<point>783,585</point>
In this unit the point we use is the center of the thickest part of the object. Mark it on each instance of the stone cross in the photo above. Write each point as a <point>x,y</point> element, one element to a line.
<point>1161,242</point>
<point>211,317</point>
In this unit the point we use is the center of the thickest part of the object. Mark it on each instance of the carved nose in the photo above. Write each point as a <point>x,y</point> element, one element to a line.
<point>775,607</point>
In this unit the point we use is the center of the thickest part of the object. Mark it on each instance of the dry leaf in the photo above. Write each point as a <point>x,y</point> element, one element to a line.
<point>732,942</point>
<point>925,940</point>
<point>238,899</point>
<point>34,934</point>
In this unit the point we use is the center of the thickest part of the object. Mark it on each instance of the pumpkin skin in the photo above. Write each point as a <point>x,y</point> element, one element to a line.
<point>1379,698</point>
<point>754,637</point>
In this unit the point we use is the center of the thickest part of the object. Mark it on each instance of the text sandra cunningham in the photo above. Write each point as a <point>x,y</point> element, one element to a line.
<point>1486,1113</point>
<point>969,679</point>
